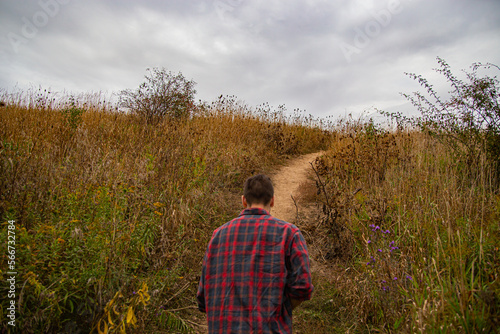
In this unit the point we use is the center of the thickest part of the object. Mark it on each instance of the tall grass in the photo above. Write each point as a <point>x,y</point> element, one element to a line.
<point>113,215</point>
<point>418,235</point>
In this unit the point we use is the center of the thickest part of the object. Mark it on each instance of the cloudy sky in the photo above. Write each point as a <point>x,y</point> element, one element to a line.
<point>325,57</point>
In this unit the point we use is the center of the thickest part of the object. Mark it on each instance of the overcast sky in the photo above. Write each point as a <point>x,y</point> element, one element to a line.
<point>325,57</point>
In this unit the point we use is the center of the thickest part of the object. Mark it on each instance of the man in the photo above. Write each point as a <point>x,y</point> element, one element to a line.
<point>255,269</point>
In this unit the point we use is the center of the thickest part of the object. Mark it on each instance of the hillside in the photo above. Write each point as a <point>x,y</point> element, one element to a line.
<point>112,215</point>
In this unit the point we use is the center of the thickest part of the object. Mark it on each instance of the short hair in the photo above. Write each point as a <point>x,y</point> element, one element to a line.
<point>258,189</point>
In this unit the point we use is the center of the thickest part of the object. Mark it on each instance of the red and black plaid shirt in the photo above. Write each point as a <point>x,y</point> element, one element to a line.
<point>253,265</point>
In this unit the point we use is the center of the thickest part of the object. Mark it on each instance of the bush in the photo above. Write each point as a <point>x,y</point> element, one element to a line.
<point>411,246</point>
<point>469,121</point>
<point>163,94</point>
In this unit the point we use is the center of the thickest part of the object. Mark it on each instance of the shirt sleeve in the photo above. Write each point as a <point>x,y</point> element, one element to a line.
<point>200,295</point>
<point>299,285</point>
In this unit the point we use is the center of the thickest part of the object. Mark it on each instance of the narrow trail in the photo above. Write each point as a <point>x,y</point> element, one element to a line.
<point>287,183</point>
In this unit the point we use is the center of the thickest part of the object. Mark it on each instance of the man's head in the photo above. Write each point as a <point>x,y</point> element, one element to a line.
<point>258,192</point>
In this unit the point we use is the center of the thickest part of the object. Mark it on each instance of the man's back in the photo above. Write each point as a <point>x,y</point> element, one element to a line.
<point>253,268</point>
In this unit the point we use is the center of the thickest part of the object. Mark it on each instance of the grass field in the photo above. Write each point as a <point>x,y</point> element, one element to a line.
<point>113,215</point>
<point>411,237</point>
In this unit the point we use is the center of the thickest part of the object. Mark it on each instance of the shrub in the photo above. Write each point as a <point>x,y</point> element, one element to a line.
<point>162,94</point>
<point>469,121</point>
<point>73,114</point>
<point>412,246</point>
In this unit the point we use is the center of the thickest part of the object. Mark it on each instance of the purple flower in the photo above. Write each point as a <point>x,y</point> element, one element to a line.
<point>387,231</point>
<point>408,277</point>
<point>392,243</point>
<point>395,278</point>
<point>383,281</point>
<point>379,250</point>
<point>369,241</point>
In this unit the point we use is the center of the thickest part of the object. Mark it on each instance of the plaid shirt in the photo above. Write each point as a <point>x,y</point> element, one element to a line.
<point>253,265</point>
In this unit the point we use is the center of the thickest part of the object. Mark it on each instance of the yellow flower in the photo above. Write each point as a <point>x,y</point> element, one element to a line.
<point>159,205</point>
<point>159,213</point>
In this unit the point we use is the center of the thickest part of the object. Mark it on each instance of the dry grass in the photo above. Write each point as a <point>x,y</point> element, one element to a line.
<point>113,215</point>
<point>422,236</point>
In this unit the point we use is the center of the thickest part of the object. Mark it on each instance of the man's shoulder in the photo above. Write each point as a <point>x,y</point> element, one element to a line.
<point>283,223</point>
<point>266,219</point>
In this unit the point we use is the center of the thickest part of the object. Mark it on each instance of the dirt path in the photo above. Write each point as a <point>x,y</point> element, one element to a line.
<point>287,182</point>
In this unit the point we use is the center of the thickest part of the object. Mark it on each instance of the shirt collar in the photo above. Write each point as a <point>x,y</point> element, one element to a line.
<point>254,212</point>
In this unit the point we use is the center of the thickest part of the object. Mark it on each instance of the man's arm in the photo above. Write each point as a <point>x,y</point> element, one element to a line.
<point>200,294</point>
<point>299,285</point>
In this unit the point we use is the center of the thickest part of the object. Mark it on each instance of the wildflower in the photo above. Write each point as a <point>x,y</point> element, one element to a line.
<point>392,243</point>
<point>383,281</point>
<point>369,241</point>
<point>408,277</point>
<point>395,278</point>
<point>380,250</point>
<point>159,213</point>
<point>387,231</point>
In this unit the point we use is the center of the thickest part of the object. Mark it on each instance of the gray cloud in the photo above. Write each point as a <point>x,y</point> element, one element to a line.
<point>327,57</point>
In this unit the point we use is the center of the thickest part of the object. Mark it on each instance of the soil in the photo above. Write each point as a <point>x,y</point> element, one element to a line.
<point>289,183</point>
